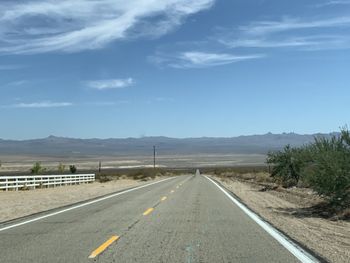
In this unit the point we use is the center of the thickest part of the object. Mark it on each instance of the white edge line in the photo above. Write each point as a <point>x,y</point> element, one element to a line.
<point>82,205</point>
<point>292,247</point>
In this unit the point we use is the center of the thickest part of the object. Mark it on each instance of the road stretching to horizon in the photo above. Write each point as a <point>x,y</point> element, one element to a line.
<point>183,219</point>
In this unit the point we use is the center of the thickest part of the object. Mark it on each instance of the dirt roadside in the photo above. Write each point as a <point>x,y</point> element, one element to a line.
<point>286,210</point>
<point>15,204</point>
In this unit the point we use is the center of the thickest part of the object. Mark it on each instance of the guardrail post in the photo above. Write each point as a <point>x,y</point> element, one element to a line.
<point>16,184</point>
<point>7,185</point>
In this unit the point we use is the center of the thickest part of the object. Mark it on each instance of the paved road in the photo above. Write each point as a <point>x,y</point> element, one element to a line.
<point>185,219</point>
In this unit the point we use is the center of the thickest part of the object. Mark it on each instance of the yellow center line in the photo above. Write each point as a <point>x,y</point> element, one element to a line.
<point>148,211</point>
<point>163,198</point>
<point>103,247</point>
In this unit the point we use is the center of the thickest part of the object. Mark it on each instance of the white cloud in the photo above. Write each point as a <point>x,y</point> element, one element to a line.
<point>334,2</point>
<point>163,99</point>
<point>316,42</point>
<point>10,67</point>
<point>17,83</point>
<point>290,32</point>
<point>108,103</point>
<point>288,24</point>
<point>110,83</point>
<point>203,59</point>
<point>43,104</point>
<point>43,26</point>
<point>198,59</point>
<point>293,33</point>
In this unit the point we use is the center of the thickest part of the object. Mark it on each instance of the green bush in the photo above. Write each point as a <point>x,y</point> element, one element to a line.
<point>329,172</point>
<point>72,169</point>
<point>288,164</point>
<point>37,168</point>
<point>323,165</point>
<point>61,168</point>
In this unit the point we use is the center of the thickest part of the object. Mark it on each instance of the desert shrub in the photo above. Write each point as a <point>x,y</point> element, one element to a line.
<point>104,178</point>
<point>144,173</point>
<point>323,165</point>
<point>72,169</point>
<point>329,173</point>
<point>37,168</point>
<point>61,168</point>
<point>262,177</point>
<point>288,164</point>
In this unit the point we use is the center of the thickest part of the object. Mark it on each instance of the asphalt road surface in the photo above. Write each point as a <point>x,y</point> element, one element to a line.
<point>184,219</point>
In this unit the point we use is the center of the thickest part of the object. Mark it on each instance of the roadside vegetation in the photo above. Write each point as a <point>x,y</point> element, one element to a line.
<point>254,174</point>
<point>323,165</point>
<point>316,175</point>
<point>37,168</point>
<point>61,168</point>
<point>73,169</point>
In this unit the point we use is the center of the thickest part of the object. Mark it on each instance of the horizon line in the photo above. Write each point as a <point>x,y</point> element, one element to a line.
<point>169,137</point>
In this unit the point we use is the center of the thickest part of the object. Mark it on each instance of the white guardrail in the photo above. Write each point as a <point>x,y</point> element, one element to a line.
<point>41,181</point>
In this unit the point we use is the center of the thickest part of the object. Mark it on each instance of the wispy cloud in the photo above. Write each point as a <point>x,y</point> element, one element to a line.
<point>10,67</point>
<point>334,2</point>
<point>316,42</point>
<point>108,103</point>
<point>163,99</point>
<point>17,83</point>
<point>81,25</point>
<point>42,104</point>
<point>199,59</point>
<point>288,24</point>
<point>159,100</point>
<point>289,32</point>
<point>110,83</point>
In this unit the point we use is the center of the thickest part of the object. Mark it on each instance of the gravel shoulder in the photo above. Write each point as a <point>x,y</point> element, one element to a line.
<point>286,210</point>
<point>15,204</point>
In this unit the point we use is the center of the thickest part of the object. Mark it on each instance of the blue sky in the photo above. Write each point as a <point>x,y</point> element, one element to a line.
<point>115,68</point>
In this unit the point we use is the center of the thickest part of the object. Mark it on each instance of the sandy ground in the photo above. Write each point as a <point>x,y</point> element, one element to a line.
<point>330,239</point>
<point>14,204</point>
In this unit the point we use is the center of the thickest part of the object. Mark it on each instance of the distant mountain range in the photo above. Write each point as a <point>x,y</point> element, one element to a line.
<point>60,146</point>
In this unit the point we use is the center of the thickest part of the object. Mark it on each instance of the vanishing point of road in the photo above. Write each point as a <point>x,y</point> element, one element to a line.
<point>182,219</point>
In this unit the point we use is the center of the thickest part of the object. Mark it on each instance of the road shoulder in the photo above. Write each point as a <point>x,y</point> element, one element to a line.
<point>329,239</point>
<point>18,204</point>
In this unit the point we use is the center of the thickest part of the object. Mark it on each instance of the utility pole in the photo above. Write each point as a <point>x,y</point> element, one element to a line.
<point>99,166</point>
<point>154,157</point>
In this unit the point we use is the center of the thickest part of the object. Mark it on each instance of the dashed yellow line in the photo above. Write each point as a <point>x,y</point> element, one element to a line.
<point>148,211</point>
<point>103,247</point>
<point>163,198</point>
